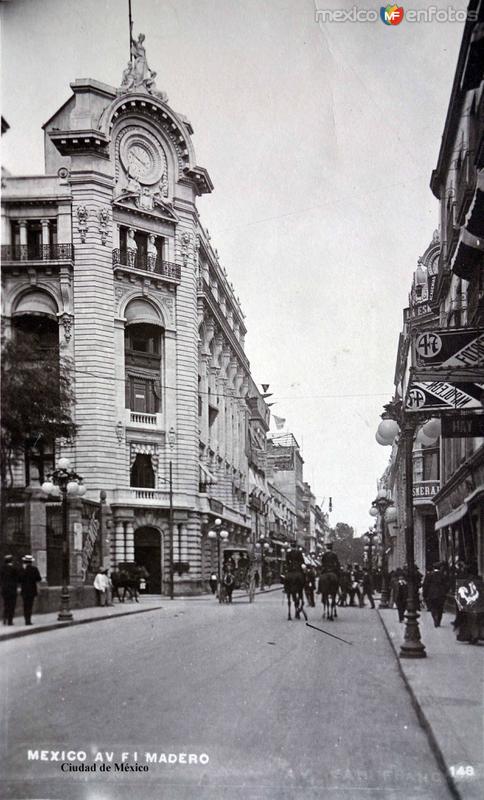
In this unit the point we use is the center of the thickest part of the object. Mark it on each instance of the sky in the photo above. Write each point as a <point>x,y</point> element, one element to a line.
<point>320,140</point>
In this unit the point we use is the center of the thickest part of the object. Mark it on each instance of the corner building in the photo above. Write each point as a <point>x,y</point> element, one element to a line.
<point>106,252</point>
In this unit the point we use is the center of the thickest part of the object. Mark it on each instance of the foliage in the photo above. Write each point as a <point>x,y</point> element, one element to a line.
<point>348,549</point>
<point>37,399</point>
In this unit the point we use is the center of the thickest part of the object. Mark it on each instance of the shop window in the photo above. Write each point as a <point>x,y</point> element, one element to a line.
<point>142,472</point>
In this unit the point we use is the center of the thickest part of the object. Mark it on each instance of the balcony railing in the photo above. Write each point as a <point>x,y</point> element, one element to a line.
<point>137,418</point>
<point>146,263</point>
<point>43,252</point>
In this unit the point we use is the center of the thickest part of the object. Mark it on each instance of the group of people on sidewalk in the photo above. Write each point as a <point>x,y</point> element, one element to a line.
<point>14,577</point>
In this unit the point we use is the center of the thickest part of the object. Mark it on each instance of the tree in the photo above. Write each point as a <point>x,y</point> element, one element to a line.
<point>348,549</point>
<point>36,402</point>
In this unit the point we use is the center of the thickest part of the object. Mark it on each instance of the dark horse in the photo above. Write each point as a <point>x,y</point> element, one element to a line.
<point>294,581</point>
<point>328,588</point>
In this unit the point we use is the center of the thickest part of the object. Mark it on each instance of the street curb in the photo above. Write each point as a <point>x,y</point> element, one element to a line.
<point>424,723</point>
<point>55,625</point>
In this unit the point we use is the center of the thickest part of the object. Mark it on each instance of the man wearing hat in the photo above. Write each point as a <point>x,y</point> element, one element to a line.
<point>329,560</point>
<point>8,582</point>
<point>435,588</point>
<point>29,578</point>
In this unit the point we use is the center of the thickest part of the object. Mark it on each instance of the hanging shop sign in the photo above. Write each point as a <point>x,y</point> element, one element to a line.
<point>442,396</point>
<point>469,595</point>
<point>450,348</point>
<point>462,425</point>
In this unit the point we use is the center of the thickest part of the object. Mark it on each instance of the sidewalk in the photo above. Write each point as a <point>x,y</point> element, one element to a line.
<point>49,622</point>
<point>447,690</point>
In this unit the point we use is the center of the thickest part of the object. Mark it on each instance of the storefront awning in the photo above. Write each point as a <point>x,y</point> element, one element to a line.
<point>475,494</point>
<point>454,516</point>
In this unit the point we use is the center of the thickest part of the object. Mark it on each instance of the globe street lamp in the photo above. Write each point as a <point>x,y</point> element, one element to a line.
<point>221,535</point>
<point>370,535</point>
<point>397,421</point>
<point>69,483</point>
<point>383,507</point>
<point>262,547</point>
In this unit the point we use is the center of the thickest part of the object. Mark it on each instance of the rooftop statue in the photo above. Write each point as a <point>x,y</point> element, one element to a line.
<point>137,74</point>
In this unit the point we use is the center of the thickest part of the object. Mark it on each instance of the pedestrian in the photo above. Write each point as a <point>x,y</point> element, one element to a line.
<point>213,582</point>
<point>355,590</point>
<point>435,588</point>
<point>29,578</point>
<point>9,582</point>
<point>401,594</point>
<point>101,585</point>
<point>367,588</point>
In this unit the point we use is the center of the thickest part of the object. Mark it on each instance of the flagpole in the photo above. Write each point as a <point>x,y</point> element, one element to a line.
<point>130,30</point>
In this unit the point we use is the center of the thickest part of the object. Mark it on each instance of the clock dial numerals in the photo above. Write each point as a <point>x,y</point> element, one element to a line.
<point>139,160</point>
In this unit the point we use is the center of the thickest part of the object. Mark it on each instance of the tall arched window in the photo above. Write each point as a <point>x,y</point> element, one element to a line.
<point>142,350</point>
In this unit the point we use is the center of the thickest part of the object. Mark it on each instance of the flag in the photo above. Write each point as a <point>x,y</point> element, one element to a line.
<point>279,422</point>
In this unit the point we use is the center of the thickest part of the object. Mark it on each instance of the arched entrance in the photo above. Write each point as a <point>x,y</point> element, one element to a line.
<point>147,553</point>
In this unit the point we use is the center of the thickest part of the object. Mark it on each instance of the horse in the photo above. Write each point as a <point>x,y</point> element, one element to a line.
<point>227,587</point>
<point>294,581</point>
<point>328,588</point>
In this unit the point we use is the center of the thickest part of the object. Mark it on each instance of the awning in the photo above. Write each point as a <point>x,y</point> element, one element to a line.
<point>205,475</point>
<point>453,517</point>
<point>475,494</point>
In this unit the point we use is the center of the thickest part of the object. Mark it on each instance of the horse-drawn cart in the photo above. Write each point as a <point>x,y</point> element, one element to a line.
<point>244,568</point>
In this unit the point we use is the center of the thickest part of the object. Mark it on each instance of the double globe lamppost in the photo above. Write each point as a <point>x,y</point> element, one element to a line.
<point>221,535</point>
<point>383,507</point>
<point>398,422</point>
<point>66,482</point>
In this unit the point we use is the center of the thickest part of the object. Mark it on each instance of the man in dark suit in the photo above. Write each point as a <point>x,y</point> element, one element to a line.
<point>435,588</point>
<point>9,583</point>
<point>29,578</point>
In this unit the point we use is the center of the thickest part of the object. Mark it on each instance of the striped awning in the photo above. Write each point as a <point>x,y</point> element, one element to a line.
<point>452,517</point>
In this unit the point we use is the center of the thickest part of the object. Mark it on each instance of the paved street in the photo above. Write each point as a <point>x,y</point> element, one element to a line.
<point>281,710</point>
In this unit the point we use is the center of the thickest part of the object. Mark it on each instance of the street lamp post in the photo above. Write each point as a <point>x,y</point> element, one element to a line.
<point>383,506</point>
<point>370,535</point>
<point>221,535</point>
<point>69,483</point>
<point>395,421</point>
<point>262,546</point>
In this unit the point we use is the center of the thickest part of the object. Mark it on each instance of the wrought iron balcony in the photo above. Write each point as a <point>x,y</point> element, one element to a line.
<point>146,263</point>
<point>43,252</point>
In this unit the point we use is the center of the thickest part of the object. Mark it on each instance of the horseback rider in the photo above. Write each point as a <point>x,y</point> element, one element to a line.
<point>294,559</point>
<point>330,561</point>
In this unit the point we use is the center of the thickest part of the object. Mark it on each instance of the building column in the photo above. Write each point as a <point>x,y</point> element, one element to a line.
<point>36,525</point>
<point>45,238</point>
<point>118,543</point>
<point>22,223</point>
<point>130,542</point>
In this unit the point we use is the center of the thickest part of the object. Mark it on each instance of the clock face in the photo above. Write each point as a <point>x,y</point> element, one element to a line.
<point>140,161</point>
<point>142,157</point>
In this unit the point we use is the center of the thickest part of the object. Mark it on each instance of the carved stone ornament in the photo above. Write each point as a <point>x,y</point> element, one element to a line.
<point>119,429</point>
<point>103,217</point>
<point>67,321</point>
<point>185,247</point>
<point>82,226</point>
<point>137,75</point>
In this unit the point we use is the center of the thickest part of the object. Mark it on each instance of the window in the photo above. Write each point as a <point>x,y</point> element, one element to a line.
<point>143,368</point>
<point>431,463</point>
<point>143,395</point>
<point>39,462</point>
<point>142,473</point>
<point>143,338</point>
<point>141,239</point>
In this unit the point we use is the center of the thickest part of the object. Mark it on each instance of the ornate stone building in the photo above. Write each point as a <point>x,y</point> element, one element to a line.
<point>106,254</point>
